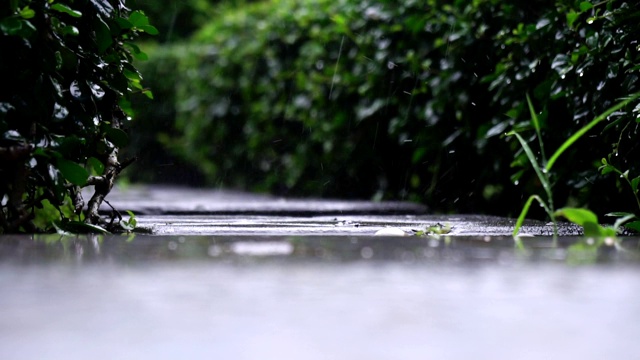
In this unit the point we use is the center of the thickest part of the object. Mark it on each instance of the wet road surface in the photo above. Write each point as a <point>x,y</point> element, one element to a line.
<point>317,297</point>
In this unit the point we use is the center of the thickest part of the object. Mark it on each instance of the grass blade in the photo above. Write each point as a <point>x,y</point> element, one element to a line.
<point>536,125</point>
<point>534,163</point>
<point>525,210</point>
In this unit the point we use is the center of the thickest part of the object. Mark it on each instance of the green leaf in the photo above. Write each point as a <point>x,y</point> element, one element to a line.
<point>149,29</point>
<point>536,125</point>
<point>65,9</point>
<point>618,214</point>
<point>596,230</point>
<point>125,105</point>
<point>572,16</point>
<point>118,137</point>
<point>73,172</point>
<point>124,24</point>
<point>125,225</point>
<point>525,210</point>
<point>141,56</point>
<point>148,94</point>
<point>96,165</point>
<point>578,216</point>
<point>45,214</point>
<point>10,25</point>
<point>27,13</point>
<point>634,184</point>
<point>138,18</point>
<point>70,30</point>
<point>619,222</point>
<point>131,75</point>
<point>585,5</point>
<point>79,227</point>
<point>134,47</point>
<point>634,225</point>
<point>588,220</point>
<point>605,169</point>
<point>534,116</point>
<point>544,180</point>
<point>103,36</point>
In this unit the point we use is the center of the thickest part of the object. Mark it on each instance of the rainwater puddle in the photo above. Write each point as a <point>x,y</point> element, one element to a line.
<point>323,297</point>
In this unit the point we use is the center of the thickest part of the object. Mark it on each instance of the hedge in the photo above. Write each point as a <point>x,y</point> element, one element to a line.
<point>67,77</point>
<point>375,99</point>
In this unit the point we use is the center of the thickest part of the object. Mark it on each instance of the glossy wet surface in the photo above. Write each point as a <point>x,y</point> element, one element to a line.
<point>248,297</point>
<point>342,225</point>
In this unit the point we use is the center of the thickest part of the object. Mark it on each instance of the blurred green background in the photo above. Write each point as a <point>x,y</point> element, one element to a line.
<point>395,100</point>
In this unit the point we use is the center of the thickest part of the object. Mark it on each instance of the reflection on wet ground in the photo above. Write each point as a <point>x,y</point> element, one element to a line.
<point>87,249</point>
<point>288,297</point>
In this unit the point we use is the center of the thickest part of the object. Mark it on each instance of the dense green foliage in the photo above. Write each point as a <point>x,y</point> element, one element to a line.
<point>176,19</point>
<point>67,74</point>
<point>408,101</point>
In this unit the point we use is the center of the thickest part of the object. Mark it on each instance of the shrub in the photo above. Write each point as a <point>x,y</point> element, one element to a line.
<point>67,74</point>
<point>576,60</point>
<point>358,98</point>
<point>330,98</point>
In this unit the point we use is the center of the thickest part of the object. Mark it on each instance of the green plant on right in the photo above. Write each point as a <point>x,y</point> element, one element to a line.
<point>606,168</point>
<point>582,217</point>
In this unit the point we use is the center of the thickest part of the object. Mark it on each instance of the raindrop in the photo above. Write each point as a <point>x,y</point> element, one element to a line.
<point>172,245</point>
<point>581,74</point>
<point>562,76</point>
<point>472,103</point>
<point>5,200</point>
<point>33,163</point>
<point>302,102</point>
<point>516,183</point>
<point>335,69</point>
<point>366,252</point>
<point>590,20</point>
<point>391,65</point>
<point>319,64</point>
<point>214,250</point>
